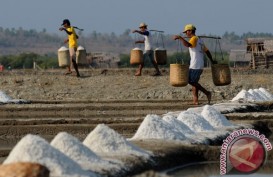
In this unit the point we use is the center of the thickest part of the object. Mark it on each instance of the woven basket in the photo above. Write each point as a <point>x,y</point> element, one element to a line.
<point>63,58</point>
<point>136,57</point>
<point>160,57</point>
<point>81,57</point>
<point>179,75</point>
<point>221,74</point>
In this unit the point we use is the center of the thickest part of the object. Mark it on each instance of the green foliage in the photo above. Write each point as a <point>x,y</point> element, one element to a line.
<point>124,60</point>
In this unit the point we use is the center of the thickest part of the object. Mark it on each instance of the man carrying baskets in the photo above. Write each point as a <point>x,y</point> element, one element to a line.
<point>148,49</point>
<point>197,50</point>
<point>72,43</point>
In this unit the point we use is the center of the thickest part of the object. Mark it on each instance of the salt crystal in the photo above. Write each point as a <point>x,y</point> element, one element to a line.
<point>153,127</point>
<point>261,94</point>
<point>180,126</point>
<point>63,48</point>
<point>256,96</point>
<point>243,94</point>
<point>136,48</point>
<point>73,148</point>
<point>215,118</point>
<point>32,148</point>
<point>195,121</point>
<point>105,141</point>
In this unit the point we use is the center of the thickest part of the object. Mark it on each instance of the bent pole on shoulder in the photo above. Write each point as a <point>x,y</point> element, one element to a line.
<point>157,31</point>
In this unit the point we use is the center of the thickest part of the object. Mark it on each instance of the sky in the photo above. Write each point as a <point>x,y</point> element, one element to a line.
<point>213,17</point>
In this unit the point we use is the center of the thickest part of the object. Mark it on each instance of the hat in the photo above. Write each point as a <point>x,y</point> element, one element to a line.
<point>66,21</point>
<point>189,27</point>
<point>142,25</point>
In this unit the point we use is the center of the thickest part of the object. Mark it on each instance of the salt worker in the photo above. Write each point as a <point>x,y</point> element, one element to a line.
<point>148,50</point>
<point>72,43</point>
<point>197,49</point>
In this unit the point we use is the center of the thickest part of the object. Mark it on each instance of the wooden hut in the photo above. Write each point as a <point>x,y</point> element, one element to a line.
<point>261,51</point>
<point>239,58</point>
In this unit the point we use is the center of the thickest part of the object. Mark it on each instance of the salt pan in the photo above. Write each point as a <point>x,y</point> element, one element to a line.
<point>153,127</point>
<point>33,148</point>
<point>73,148</point>
<point>105,141</point>
<point>195,121</point>
<point>215,118</point>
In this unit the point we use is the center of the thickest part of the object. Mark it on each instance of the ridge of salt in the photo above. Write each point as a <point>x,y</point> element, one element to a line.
<point>153,127</point>
<point>32,148</point>
<point>268,94</point>
<point>245,95</point>
<point>105,141</point>
<point>195,121</point>
<point>179,125</point>
<point>215,118</point>
<point>87,159</point>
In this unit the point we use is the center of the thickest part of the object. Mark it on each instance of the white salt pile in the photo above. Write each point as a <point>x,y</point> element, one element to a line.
<point>4,98</point>
<point>195,121</point>
<point>160,48</point>
<point>105,141</point>
<point>215,118</point>
<point>88,160</point>
<point>80,48</point>
<point>153,127</point>
<point>63,48</point>
<point>136,48</point>
<point>251,95</point>
<point>179,125</point>
<point>33,148</point>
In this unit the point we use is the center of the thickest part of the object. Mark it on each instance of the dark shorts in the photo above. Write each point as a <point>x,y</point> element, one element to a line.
<point>194,75</point>
<point>149,54</point>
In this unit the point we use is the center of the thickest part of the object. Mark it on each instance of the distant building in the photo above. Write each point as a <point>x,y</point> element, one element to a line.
<point>261,52</point>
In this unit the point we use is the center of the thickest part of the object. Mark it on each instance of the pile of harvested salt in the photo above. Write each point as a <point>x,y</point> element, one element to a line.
<point>33,148</point>
<point>153,127</point>
<point>215,118</point>
<point>195,121</point>
<point>260,94</point>
<point>106,142</point>
<point>88,160</point>
<point>179,125</point>
<point>4,97</point>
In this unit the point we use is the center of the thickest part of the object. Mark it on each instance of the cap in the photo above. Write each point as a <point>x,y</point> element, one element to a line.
<point>142,25</point>
<point>66,21</point>
<point>189,27</point>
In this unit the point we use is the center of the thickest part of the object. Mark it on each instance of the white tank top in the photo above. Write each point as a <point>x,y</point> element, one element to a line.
<point>197,54</point>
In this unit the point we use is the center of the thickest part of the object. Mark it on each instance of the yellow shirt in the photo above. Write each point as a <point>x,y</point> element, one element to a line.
<point>72,39</point>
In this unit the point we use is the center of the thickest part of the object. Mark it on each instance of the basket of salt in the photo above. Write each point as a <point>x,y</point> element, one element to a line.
<point>63,57</point>
<point>136,56</point>
<point>81,55</point>
<point>221,74</point>
<point>179,75</point>
<point>160,56</point>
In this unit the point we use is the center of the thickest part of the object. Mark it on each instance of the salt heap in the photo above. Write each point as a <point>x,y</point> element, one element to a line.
<point>105,141</point>
<point>180,126</point>
<point>251,95</point>
<point>153,127</point>
<point>88,160</point>
<point>4,97</point>
<point>33,148</point>
<point>195,121</point>
<point>215,118</point>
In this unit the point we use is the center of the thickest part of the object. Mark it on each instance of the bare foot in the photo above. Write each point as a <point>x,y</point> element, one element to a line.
<point>138,74</point>
<point>209,97</point>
